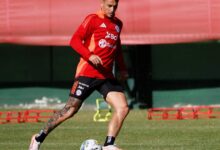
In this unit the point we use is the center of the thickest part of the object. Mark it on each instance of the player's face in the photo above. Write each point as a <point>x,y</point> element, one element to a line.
<point>109,7</point>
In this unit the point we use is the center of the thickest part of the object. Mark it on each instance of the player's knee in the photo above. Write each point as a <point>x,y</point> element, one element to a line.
<point>123,111</point>
<point>71,112</point>
<point>74,106</point>
<point>126,110</point>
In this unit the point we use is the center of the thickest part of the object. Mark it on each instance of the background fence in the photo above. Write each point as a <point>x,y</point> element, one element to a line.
<point>166,74</point>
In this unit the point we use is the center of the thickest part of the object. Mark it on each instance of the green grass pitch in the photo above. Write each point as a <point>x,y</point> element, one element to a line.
<point>138,133</point>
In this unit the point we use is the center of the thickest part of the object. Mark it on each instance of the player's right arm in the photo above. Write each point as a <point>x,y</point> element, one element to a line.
<point>84,32</point>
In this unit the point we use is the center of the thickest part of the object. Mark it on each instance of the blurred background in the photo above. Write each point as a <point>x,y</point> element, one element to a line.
<point>171,49</point>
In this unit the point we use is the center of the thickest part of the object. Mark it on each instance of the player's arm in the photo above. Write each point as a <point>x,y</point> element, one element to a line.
<point>84,31</point>
<point>95,60</point>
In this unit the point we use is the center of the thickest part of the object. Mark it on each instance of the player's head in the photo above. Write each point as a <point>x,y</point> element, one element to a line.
<point>109,7</point>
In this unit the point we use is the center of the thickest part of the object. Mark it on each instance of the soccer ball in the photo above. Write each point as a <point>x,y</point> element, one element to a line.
<point>90,144</point>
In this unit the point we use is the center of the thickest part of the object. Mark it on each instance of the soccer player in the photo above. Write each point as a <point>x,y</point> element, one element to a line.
<point>97,40</point>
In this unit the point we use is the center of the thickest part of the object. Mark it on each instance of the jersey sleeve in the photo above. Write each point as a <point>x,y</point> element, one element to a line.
<point>84,32</point>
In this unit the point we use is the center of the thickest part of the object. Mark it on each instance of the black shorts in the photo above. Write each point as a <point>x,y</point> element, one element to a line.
<point>84,86</point>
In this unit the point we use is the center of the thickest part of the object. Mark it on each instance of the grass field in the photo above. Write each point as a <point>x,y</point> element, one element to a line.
<point>138,133</point>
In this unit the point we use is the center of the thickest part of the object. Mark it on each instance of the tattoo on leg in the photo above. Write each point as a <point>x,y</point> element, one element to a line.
<point>62,115</point>
<point>54,121</point>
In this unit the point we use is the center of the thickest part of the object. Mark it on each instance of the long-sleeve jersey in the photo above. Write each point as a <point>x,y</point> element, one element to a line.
<point>98,35</point>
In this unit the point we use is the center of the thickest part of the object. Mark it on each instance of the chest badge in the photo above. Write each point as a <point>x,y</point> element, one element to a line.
<point>117,28</point>
<point>102,43</point>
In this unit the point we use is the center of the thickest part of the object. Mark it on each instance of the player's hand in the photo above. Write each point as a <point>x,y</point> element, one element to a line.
<point>95,60</point>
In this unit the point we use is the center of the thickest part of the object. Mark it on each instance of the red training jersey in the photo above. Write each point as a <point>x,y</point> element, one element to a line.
<point>98,35</point>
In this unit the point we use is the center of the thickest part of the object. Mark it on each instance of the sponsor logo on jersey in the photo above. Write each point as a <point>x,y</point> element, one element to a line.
<point>111,36</point>
<point>103,25</point>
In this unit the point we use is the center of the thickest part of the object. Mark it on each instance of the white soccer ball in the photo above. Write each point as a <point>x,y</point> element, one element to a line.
<point>90,144</point>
